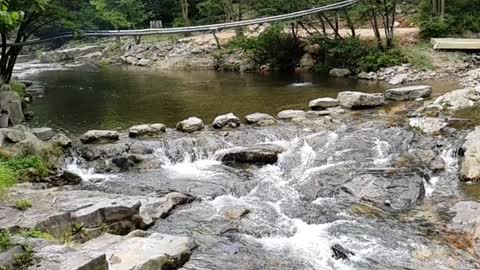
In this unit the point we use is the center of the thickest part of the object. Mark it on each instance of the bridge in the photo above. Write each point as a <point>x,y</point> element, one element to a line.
<point>201,28</point>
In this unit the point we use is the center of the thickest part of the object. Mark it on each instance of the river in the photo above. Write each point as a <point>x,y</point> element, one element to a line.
<point>117,98</point>
<point>359,184</point>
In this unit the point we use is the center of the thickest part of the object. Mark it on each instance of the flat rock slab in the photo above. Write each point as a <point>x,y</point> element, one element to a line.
<point>323,103</point>
<point>57,257</point>
<point>146,130</point>
<point>291,114</point>
<point>154,251</point>
<point>43,134</point>
<point>360,100</point>
<point>190,125</point>
<point>408,92</point>
<point>260,119</point>
<point>458,99</point>
<point>55,210</point>
<point>95,136</point>
<point>470,169</point>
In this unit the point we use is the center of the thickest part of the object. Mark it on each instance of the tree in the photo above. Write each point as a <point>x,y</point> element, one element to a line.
<point>19,20</point>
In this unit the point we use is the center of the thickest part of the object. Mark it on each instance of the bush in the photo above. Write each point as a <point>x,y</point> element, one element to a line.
<point>23,205</point>
<point>8,177</point>
<point>378,59</point>
<point>19,87</point>
<point>273,47</point>
<point>24,260</point>
<point>32,165</point>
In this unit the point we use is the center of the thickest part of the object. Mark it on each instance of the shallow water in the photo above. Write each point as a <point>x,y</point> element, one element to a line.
<point>113,98</point>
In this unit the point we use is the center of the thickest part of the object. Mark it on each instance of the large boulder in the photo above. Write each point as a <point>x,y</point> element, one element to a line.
<point>323,103</point>
<point>458,99</point>
<point>409,92</point>
<point>229,120</point>
<point>191,124</point>
<point>339,72</point>
<point>291,114</point>
<point>470,169</point>
<point>146,130</point>
<point>11,108</point>
<point>466,219</point>
<point>359,100</point>
<point>398,79</point>
<point>140,250</point>
<point>429,125</point>
<point>260,119</point>
<point>95,136</point>
<point>259,154</point>
<point>307,62</point>
<point>59,257</point>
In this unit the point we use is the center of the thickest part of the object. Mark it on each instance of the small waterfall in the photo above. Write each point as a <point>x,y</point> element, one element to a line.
<point>87,174</point>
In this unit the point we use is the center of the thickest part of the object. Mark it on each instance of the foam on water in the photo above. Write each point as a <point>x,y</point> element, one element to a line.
<point>87,174</point>
<point>302,84</point>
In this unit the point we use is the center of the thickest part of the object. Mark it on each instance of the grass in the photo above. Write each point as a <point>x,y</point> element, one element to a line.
<point>19,87</point>
<point>23,205</point>
<point>5,241</point>
<point>14,169</point>
<point>8,177</point>
<point>24,260</point>
<point>419,56</point>
<point>37,233</point>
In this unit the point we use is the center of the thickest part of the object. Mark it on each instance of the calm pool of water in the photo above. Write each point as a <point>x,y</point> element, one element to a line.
<point>117,98</point>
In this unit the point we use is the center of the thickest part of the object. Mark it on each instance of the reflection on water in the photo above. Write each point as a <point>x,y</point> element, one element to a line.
<point>119,97</point>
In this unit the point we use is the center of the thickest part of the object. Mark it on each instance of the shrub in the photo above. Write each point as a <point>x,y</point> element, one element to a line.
<point>23,205</point>
<point>273,46</point>
<point>379,59</point>
<point>32,165</point>
<point>5,241</point>
<point>19,87</point>
<point>8,177</point>
<point>24,260</point>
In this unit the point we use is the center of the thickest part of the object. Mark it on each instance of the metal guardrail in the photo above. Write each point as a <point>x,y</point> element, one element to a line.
<point>189,29</point>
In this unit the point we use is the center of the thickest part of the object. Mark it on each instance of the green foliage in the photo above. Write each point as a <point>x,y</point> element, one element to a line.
<point>418,56</point>
<point>355,54</point>
<point>5,241</point>
<point>26,168</point>
<point>37,233</point>
<point>122,13</point>
<point>462,16</point>
<point>23,204</point>
<point>273,46</point>
<point>18,87</point>
<point>24,260</point>
<point>379,59</point>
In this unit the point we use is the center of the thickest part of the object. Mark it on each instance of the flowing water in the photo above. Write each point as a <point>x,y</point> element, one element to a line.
<point>357,182</point>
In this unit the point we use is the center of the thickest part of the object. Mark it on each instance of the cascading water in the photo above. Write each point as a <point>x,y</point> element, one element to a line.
<point>328,187</point>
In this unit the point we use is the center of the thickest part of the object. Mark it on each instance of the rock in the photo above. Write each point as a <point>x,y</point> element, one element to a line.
<point>146,130</point>
<point>3,120</point>
<point>396,192</point>
<point>144,62</point>
<point>428,125</point>
<point>11,104</point>
<point>437,164</point>
<point>470,169</point>
<point>67,54</point>
<point>359,100</point>
<point>94,136</point>
<point>55,210</point>
<point>229,120</point>
<point>71,178</point>
<point>409,92</point>
<point>314,114</point>
<point>44,133</point>
<point>131,60</point>
<point>259,154</point>
<point>59,257</point>
<point>341,253</point>
<point>456,100</point>
<point>323,103</point>
<point>261,119</point>
<point>154,251</point>
<point>61,140</point>
<point>339,72</point>
<point>236,213</point>
<point>7,257</point>
<point>466,219</point>
<point>291,114</point>
<point>15,135</point>
<point>313,49</point>
<point>398,79</point>
<point>191,124</point>
<point>306,62</point>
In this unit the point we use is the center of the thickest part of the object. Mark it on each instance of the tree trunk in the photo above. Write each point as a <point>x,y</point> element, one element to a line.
<point>185,5</point>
